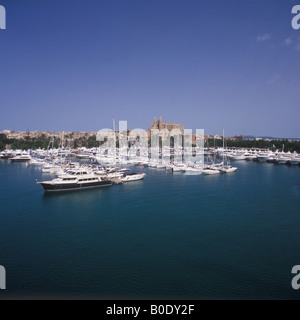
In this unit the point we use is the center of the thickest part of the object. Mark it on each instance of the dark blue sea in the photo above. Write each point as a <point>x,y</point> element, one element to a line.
<point>175,236</point>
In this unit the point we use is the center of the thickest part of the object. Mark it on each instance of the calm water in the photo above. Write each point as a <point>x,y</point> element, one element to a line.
<point>170,236</point>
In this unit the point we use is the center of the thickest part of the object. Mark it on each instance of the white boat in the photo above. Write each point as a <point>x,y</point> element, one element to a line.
<point>169,167</point>
<point>36,162</point>
<point>295,160</point>
<point>152,164</point>
<point>263,156</point>
<point>179,167</point>
<point>46,168</point>
<point>21,158</point>
<point>75,180</point>
<point>251,157</point>
<point>83,156</point>
<point>210,171</point>
<point>6,154</point>
<point>282,160</point>
<point>128,177</point>
<point>228,169</point>
<point>193,171</point>
<point>238,156</point>
<point>55,169</point>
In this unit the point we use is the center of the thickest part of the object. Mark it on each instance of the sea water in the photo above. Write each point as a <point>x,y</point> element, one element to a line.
<point>170,236</point>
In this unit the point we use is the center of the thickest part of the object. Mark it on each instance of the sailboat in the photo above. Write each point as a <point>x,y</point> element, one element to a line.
<point>226,168</point>
<point>211,168</point>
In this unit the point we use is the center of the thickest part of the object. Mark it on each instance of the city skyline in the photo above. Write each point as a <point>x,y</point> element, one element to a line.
<point>75,67</point>
<point>15,134</point>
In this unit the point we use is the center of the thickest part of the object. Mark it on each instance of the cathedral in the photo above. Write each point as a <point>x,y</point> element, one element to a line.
<point>159,124</point>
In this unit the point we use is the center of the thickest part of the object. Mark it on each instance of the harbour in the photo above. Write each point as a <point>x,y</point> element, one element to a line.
<point>149,153</point>
<point>124,241</point>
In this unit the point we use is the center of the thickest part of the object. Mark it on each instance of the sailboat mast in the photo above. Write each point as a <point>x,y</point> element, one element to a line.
<point>114,150</point>
<point>114,125</point>
<point>223,148</point>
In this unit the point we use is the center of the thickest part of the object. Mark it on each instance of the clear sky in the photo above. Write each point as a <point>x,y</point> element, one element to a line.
<point>74,65</point>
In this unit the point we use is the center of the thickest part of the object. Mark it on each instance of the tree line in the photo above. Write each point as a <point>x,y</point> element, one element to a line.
<point>285,144</point>
<point>43,142</point>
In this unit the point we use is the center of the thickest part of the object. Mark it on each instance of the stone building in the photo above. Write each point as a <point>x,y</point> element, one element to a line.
<point>159,124</point>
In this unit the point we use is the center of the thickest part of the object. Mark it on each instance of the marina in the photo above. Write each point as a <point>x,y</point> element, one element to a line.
<point>87,169</point>
<point>122,241</point>
<point>230,190</point>
<point>117,182</point>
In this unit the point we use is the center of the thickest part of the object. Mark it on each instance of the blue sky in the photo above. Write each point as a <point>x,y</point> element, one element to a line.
<point>75,65</point>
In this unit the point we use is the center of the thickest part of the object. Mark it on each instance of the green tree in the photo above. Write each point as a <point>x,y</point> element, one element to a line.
<point>2,146</point>
<point>15,145</point>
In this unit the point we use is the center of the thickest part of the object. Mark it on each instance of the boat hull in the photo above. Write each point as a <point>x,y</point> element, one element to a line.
<point>210,171</point>
<point>19,160</point>
<point>74,186</point>
<point>229,170</point>
<point>132,178</point>
<point>236,158</point>
<point>262,159</point>
<point>294,162</point>
<point>282,161</point>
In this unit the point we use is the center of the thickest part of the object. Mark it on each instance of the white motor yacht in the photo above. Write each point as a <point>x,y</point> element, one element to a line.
<point>21,158</point>
<point>179,167</point>
<point>128,177</point>
<point>36,162</point>
<point>228,169</point>
<point>210,171</point>
<point>74,180</point>
<point>263,156</point>
<point>238,156</point>
<point>295,160</point>
<point>283,158</point>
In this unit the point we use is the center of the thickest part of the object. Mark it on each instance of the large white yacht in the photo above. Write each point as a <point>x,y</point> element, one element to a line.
<point>295,159</point>
<point>74,180</point>
<point>21,158</point>
<point>6,154</point>
<point>238,156</point>
<point>36,162</point>
<point>263,156</point>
